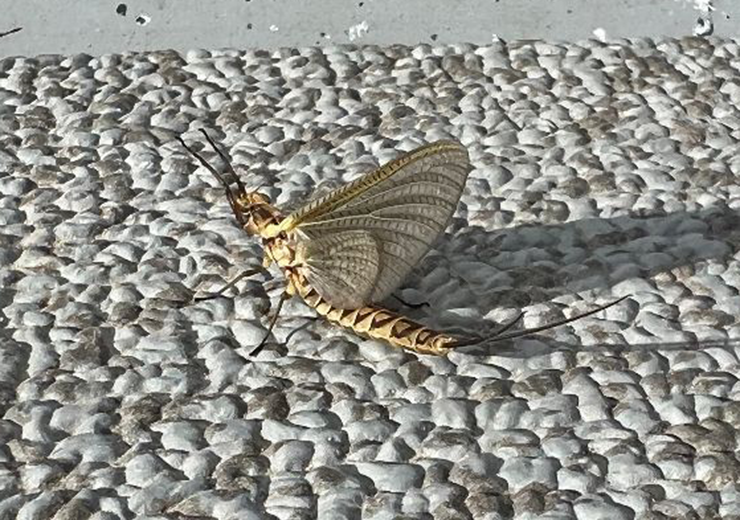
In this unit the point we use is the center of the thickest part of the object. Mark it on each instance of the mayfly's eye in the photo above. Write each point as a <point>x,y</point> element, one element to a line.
<point>257,199</point>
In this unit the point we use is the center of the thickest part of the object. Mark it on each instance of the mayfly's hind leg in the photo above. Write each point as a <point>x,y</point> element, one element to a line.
<point>290,290</point>
<point>309,320</point>
<point>229,285</point>
<point>410,305</point>
<point>273,321</point>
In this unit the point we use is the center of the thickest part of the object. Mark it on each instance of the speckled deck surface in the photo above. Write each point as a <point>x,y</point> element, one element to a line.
<point>600,170</point>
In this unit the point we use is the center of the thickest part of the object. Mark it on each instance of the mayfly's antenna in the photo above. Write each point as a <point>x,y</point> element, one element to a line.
<point>500,336</point>
<point>234,207</point>
<point>229,194</point>
<point>238,181</point>
<point>205,164</point>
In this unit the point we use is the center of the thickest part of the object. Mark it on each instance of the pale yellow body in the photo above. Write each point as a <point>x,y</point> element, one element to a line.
<point>368,321</point>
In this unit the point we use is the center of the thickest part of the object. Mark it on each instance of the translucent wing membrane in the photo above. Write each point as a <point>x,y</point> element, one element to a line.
<point>343,264</point>
<point>401,208</point>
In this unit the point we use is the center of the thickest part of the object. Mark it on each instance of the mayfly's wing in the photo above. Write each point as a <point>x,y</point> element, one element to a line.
<point>361,240</point>
<point>343,266</point>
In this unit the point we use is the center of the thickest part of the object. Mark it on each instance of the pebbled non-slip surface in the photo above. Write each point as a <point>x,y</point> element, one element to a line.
<point>600,170</point>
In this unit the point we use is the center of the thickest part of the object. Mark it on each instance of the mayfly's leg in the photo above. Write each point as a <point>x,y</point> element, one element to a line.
<point>272,284</point>
<point>410,305</point>
<point>274,319</point>
<point>309,320</point>
<point>229,285</point>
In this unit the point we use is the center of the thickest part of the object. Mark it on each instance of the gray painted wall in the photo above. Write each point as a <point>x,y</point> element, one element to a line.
<point>71,26</point>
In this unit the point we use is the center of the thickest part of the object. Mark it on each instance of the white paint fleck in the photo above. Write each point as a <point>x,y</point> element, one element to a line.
<point>703,27</point>
<point>600,34</point>
<point>358,31</point>
<point>274,28</point>
<point>703,6</point>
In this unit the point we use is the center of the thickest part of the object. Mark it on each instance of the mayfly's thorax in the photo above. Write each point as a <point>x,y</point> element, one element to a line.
<point>284,251</point>
<point>256,214</point>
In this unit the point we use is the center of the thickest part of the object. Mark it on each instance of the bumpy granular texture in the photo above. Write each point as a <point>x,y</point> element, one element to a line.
<point>600,170</point>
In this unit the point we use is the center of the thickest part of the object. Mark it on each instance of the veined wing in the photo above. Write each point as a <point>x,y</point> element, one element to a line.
<point>399,210</point>
<point>343,265</point>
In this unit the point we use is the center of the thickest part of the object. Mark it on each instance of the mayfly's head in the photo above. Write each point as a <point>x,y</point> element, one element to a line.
<point>251,208</point>
<point>256,212</point>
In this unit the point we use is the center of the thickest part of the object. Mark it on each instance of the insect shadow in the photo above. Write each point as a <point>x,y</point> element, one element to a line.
<point>531,264</point>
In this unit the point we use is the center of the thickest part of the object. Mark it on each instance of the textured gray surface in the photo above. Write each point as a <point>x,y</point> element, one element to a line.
<point>600,170</point>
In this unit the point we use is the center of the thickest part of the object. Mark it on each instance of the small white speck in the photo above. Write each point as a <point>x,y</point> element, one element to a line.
<point>600,34</point>
<point>703,27</point>
<point>274,28</point>
<point>703,6</point>
<point>358,31</point>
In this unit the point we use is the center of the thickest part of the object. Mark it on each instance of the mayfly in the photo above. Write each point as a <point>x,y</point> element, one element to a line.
<point>346,251</point>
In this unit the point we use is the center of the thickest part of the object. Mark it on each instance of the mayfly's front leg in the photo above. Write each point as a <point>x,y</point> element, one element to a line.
<point>229,285</point>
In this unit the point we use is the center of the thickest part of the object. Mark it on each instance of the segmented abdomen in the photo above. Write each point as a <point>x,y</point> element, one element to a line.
<point>378,323</point>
